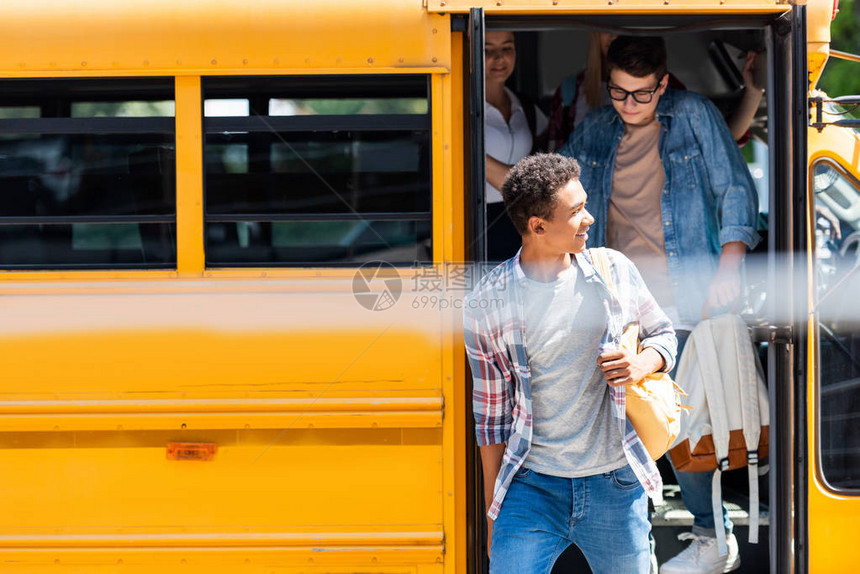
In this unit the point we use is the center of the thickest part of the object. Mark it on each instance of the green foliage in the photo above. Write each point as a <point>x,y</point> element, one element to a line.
<point>123,109</point>
<point>841,77</point>
<point>353,106</point>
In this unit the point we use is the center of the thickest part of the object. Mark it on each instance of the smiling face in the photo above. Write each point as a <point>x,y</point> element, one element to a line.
<point>500,53</point>
<point>631,111</point>
<point>567,230</point>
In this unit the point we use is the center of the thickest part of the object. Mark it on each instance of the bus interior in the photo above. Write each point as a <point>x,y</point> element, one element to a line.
<point>707,56</point>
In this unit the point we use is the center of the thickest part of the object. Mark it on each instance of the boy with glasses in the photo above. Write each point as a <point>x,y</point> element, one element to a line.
<point>670,189</point>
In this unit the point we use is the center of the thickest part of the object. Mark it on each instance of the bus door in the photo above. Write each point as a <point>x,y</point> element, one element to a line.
<point>833,357</point>
<point>781,30</point>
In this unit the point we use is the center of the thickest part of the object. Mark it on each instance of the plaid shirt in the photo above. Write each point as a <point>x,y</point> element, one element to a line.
<point>501,396</point>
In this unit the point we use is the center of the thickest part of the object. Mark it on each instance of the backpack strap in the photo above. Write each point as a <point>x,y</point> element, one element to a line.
<point>751,413</point>
<point>601,264</point>
<point>713,383</point>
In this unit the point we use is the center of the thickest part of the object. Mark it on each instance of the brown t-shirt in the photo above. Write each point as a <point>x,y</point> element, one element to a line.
<point>634,224</point>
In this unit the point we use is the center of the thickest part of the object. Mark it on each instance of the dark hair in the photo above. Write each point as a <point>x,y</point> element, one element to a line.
<point>638,56</point>
<point>532,185</point>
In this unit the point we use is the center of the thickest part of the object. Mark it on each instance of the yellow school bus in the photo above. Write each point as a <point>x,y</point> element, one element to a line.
<point>232,247</point>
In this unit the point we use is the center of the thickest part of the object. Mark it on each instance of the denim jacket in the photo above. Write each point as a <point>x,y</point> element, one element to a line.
<point>709,198</point>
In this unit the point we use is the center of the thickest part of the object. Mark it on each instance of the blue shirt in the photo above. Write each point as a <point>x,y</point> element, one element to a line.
<point>708,200</point>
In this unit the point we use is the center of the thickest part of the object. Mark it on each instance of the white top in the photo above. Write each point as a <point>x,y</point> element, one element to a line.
<point>508,142</point>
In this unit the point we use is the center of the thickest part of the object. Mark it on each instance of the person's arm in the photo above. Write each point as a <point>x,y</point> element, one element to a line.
<point>496,172</point>
<point>735,199</point>
<point>491,390</point>
<point>740,121</point>
<point>624,366</point>
<point>657,337</point>
<point>726,285</point>
<point>491,463</point>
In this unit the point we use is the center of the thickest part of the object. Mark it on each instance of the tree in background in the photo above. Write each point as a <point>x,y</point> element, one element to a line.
<point>842,78</point>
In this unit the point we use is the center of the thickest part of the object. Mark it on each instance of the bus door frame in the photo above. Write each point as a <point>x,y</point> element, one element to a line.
<point>475,164</point>
<point>476,153</point>
<point>787,101</point>
<point>787,108</point>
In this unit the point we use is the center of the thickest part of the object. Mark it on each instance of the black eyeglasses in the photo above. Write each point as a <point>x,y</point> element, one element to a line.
<point>639,96</point>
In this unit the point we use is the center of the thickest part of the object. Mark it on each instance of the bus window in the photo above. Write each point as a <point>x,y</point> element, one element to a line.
<point>320,171</point>
<point>87,176</point>
<point>837,239</point>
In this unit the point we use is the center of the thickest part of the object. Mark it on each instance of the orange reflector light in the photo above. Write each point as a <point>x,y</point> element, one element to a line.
<point>191,450</point>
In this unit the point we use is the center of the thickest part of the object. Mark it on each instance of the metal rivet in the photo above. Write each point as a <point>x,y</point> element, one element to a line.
<point>370,60</point>
<point>245,61</point>
<point>83,63</point>
<point>435,60</point>
<point>277,61</point>
<point>435,30</point>
<point>401,60</point>
<point>146,62</point>
<point>214,61</point>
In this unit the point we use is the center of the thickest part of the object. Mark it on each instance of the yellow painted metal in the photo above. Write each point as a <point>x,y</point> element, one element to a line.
<point>834,518</point>
<point>340,431</point>
<point>566,7</point>
<point>454,361</point>
<point>328,420</point>
<point>189,170</point>
<point>161,37</point>
<point>819,14</point>
<point>374,560</point>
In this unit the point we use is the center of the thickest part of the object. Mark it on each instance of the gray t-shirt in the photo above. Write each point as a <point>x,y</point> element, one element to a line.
<point>575,433</point>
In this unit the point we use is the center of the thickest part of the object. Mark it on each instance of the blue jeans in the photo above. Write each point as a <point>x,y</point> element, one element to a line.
<point>696,486</point>
<point>605,515</point>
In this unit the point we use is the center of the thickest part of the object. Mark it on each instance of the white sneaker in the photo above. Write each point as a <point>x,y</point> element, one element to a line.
<point>702,557</point>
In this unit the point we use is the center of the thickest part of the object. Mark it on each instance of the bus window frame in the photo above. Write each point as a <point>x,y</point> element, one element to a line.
<point>56,119</point>
<point>331,123</point>
<point>835,163</point>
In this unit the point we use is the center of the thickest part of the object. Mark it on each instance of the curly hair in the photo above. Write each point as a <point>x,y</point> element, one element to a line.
<point>638,56</point>
<point>532,185</point>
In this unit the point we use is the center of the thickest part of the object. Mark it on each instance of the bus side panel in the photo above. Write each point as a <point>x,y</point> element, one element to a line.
<point>156,427</point>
